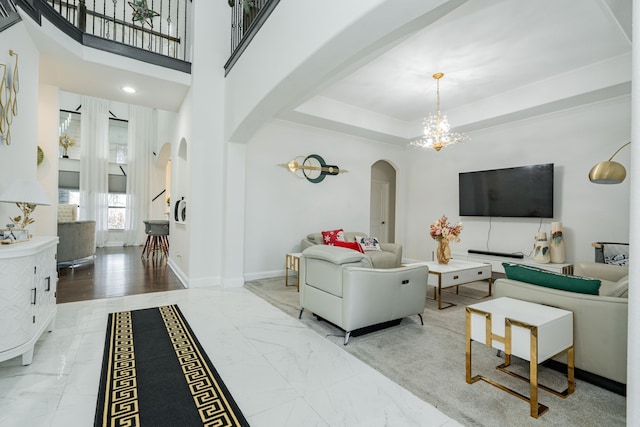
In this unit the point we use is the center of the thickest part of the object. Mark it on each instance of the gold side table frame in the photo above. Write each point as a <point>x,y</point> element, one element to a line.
<point>536,409</point>
<point>292,262</point>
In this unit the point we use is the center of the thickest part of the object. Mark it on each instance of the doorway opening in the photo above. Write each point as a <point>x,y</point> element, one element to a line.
<point>382,216</point>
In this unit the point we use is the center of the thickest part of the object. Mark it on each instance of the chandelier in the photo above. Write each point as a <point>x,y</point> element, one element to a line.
<point>436,128</point>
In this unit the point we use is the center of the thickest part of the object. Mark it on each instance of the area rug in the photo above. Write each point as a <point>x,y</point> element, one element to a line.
<point>155,373</point>
<point>429,361</point>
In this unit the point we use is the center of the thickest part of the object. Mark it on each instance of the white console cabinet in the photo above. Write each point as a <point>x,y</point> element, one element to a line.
<point>28,279</point>
<point>496,262</point>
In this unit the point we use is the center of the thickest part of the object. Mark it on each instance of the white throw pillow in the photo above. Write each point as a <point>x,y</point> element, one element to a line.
<point>369,243</point>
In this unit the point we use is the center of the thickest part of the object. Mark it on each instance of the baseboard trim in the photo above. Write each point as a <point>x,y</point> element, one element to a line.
<point>594,379</point>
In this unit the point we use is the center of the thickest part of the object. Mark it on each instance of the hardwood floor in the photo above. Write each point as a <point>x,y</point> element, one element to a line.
<point>116,271</point>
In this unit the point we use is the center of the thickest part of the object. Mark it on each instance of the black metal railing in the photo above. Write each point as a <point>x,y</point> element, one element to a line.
<point>161,28</point>
<point>246,19</point>
<point>8,14</point>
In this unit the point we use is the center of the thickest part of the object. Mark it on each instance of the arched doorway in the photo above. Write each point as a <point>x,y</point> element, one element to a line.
<point>382,216</point>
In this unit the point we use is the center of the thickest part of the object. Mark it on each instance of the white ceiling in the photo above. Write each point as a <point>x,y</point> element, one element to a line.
<point>534,55</point>
<point>484,47</point>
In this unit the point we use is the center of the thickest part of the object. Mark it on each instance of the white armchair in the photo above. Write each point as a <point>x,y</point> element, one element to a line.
<point>340,286</point>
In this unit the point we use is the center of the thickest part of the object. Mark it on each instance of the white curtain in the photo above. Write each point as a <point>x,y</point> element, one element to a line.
<point>141,139</point>
<point>94,164</point>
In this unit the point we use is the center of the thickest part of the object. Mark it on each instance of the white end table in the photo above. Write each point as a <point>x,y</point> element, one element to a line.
<point>532,332</point>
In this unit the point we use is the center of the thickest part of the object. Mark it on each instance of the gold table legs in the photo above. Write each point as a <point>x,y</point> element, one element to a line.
<point>292,262</point>
<point>536,409</point>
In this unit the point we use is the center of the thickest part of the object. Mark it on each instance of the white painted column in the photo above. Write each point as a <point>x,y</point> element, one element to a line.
<point>633,340</point>
<point>234,216</point>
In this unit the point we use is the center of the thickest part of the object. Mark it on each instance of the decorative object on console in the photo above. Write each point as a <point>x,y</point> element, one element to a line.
<point>608,172</point>
<point>556,247</point>
<point>26,195</point>
<point>8,99</point>
<point>436,130</point>
<point>66,142</point>
<point>12,235</point>
<point>442,231</point>
<point>541,249</point>
<point>313,168</point>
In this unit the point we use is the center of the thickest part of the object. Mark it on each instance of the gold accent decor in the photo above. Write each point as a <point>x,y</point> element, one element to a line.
<point>443,252</point>
<point>66,142</point>
<point>436,130</point>
<point>292,262</point>
<point>8,98</point>
<point>312,168</point>
<point>26,194</point>
<point>536,409</point>
<point>608,172</point>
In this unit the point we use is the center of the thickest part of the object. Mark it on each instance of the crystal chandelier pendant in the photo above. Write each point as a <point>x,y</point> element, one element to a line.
<point>436,129</point>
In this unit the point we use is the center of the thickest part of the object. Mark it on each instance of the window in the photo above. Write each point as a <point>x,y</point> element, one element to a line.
<point>117,211</point>
<point>69,177</point>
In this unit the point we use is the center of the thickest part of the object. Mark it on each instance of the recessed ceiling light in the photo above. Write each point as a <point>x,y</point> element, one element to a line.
<point>129,89</point>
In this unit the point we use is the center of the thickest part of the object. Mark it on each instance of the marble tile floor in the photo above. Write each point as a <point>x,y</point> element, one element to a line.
<point>279,372</point>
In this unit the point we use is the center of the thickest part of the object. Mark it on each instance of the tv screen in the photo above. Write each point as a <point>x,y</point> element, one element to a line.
<point>524,191</point>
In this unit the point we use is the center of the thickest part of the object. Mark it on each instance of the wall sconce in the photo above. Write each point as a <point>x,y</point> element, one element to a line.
<point>313,168</point>
<point>8,98</point>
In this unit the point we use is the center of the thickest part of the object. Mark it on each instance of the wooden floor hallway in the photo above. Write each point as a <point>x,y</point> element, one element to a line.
<point>115,272</point>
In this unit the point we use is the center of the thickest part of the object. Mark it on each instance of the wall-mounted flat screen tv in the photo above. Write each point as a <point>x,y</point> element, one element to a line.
<point>524,191</point>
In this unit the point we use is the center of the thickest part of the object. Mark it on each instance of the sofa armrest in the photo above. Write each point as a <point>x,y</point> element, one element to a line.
<point>394,248</point>
<point>598,270</point>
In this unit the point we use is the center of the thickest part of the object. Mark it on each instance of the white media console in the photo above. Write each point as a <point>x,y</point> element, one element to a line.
<point>496,262</point>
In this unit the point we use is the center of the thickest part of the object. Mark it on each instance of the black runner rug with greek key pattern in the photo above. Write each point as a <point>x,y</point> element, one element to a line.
<point>155,373</point>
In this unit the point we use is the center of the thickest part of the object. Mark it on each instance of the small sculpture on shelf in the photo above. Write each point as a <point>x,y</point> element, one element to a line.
<point>66,142</point>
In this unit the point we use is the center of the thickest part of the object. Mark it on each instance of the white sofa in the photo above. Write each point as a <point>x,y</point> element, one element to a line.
<point>600,321</point>
<point>341,286</point>
<point>389,255</point>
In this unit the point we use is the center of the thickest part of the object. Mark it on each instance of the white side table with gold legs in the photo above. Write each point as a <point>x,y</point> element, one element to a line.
<point>532,332</point>
<point>292,262</point>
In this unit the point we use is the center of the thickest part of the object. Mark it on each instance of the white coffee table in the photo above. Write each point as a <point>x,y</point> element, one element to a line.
<point>456,273</point>
<point>530,331</point>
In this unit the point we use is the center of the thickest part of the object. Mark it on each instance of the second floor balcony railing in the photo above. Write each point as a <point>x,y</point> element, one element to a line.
<point>159,26</point>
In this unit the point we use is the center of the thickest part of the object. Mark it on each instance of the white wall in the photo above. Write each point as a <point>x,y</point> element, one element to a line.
<point>281,209</point>
<point>19,158</point>
<point>573,140</point>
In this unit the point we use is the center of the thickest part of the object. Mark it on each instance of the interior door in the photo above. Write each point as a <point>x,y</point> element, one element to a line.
<point>379,215</point>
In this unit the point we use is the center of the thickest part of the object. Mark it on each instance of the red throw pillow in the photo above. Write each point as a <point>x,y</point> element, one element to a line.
<point>330,237</point>
<point>351,245</point>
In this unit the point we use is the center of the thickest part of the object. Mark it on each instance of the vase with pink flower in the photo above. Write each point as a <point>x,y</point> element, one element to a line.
<point>444,233</point>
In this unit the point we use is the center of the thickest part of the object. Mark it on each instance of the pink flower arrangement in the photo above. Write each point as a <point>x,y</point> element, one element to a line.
<point>441,229</point>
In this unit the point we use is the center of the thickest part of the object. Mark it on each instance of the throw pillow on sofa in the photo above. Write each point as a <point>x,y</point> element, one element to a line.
<point>369,243</point>
<point>350,245</point>
<point>549,279</point>
<point>331,236</point>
